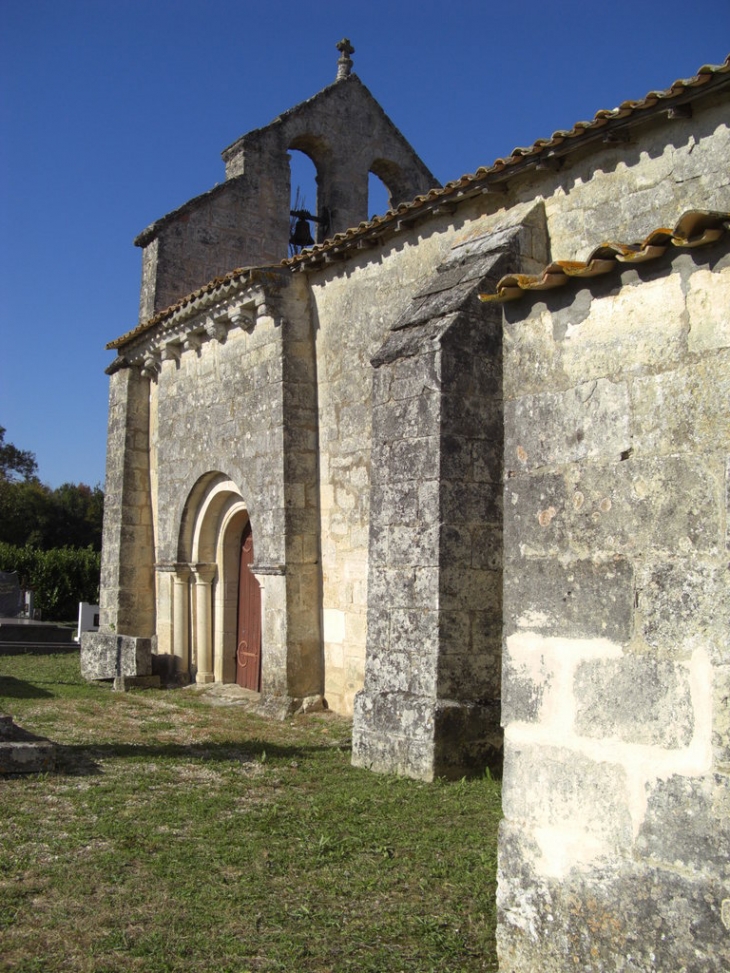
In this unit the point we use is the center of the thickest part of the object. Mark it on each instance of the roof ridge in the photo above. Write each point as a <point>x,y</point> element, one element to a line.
<point>520,156</point>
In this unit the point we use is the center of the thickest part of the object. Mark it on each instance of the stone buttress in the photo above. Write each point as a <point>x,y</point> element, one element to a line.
<point>430,705</point>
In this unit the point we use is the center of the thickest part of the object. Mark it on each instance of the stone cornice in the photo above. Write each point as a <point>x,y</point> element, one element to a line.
<point>264,282</point>
<point>189,328</point>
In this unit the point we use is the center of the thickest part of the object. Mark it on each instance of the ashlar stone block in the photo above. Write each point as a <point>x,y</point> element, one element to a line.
<point>578,599</point>
<point>639,700</point>
<point>557,792</point>
<point>554,428</point>
<point>109,656</point>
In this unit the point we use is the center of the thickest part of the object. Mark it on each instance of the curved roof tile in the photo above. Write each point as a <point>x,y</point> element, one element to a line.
<point>579,132</point>
<point>695,228</point>
<point>458,188</point>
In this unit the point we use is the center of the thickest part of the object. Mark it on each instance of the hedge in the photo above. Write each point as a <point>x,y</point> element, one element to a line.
<point>59,578</point>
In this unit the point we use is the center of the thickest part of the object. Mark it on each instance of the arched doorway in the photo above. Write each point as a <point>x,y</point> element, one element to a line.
<point>212,581</point>
<point>248,626</point>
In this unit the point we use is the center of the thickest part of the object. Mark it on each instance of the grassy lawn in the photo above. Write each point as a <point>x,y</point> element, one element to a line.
<point>177,835</point>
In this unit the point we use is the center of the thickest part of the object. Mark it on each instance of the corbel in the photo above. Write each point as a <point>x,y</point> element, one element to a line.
<point>216,328</point>
<point>192,342</point>
<point>616,137</point>
<point>550,161</point>
<point>241,317</point>
<point>266,307</point>
<point>445,208</point>
<point>679,111</point>
<point>171,351</point>
<point>151,365</point>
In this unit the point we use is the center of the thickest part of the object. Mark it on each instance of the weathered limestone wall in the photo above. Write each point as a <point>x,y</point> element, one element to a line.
<point>353,314</point>
<point>346,134</point>
<point>615,845</point>
<point>243,405</point>
<point>127,597</point>
<point>219,408</point>
<point>625,190</point>
<point>430,703</point>
<point>205,238</point>
<point>245,221</point>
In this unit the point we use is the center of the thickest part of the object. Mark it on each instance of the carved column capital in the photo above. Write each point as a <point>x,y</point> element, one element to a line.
<point>204,573</point>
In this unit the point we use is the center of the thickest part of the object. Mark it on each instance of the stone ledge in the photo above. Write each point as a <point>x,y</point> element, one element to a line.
<point>22,752</point>
<point>124,683</point>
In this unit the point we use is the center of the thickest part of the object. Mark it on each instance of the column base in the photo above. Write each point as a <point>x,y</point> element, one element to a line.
<point>424,738</point>
<point>204,677</point>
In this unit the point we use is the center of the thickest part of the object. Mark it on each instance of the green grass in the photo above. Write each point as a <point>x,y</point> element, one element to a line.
<point>180,836</point>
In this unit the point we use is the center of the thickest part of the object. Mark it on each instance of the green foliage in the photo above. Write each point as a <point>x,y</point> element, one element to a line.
<point>15,463</point>
<point>60,578</point>
<point>32,514</point>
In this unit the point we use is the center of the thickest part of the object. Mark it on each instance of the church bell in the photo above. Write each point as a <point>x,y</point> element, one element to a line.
<point>302,235</point>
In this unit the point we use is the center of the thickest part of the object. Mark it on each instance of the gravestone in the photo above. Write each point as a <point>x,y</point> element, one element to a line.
<point>9,594</point>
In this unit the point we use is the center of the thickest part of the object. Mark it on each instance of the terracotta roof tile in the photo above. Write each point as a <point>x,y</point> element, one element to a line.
<point>215,289</point>
<point>696,228</point>
<point>602,123</point>
<point>371,232</point>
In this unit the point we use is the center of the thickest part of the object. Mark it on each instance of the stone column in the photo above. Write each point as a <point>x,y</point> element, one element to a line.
<point>180,624</point>
<point>204,574</point>
<point>164,574</point>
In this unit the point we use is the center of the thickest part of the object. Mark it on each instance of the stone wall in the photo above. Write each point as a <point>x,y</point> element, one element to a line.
<point>127,590</point>
<point>619,190</point>
<point>219,408</point>
<point>352,317</point>
<point>430,702</point>
<point>245,221</point>
<point>615,843</point>
<point>238,406</point>
<point>203,239</point>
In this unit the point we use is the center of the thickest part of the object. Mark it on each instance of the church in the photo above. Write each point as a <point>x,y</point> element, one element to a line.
<point>460,471</point>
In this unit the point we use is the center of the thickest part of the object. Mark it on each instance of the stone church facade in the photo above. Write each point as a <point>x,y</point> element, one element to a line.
<point>462,470</point>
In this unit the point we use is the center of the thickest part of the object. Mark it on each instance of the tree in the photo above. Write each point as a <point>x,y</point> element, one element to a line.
<point>34,515</point>
<point>16,464</point>
<point>77,519</point>
<point>26,513</point>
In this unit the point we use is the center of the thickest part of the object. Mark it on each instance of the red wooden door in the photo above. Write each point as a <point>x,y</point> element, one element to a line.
<point>248,651</point>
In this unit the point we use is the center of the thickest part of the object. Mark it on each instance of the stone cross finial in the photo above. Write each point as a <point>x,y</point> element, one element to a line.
<point>344,64</point>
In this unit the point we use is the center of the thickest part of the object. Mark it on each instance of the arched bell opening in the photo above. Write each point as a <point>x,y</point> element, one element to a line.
<point>378,196</point>
<point>386,177</point>
<point>308,219</point>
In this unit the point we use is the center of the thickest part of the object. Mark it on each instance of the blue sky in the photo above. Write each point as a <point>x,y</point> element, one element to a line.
<point>114,112</point>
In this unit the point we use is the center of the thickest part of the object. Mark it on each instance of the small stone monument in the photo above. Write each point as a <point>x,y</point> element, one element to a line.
<point>9,594</point>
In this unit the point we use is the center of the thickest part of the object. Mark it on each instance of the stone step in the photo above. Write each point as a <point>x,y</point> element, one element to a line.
<point>38,648</point>
<point>23,630</point>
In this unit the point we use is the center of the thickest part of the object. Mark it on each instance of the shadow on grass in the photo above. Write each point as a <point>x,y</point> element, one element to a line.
<point>84,759</point>
<point>22,689</point>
